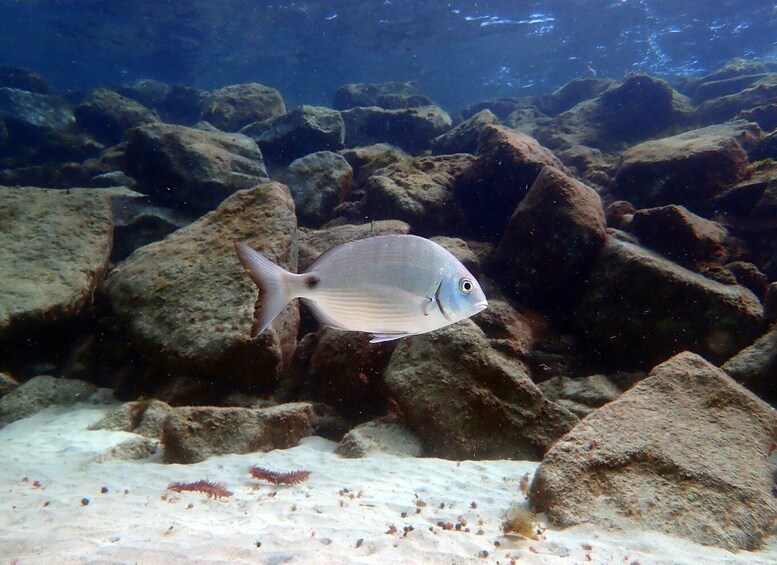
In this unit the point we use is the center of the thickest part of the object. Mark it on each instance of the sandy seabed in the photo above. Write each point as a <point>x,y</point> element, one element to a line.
<point>380,509</point>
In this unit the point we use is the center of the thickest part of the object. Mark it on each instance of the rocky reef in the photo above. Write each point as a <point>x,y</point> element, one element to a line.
<point>625,232</point>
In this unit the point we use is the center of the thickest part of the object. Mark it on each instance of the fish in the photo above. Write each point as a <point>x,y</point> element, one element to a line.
<point>391,286</point>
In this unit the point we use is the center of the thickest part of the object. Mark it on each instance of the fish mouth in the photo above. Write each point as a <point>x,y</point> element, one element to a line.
<point>482,305</point>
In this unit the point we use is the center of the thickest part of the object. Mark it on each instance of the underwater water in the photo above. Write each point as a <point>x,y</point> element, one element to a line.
<point>388,282</point>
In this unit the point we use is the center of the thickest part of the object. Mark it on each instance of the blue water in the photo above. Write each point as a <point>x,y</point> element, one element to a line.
<point>459,52</point>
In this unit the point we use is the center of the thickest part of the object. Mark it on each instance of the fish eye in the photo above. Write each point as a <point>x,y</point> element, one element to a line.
<point>465,286</point>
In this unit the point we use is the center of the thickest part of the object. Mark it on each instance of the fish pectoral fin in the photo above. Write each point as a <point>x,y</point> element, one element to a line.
<point>426,306</point>
<point>389,336</point>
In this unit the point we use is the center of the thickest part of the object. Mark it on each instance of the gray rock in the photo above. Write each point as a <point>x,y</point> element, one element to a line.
<point>687,169</point>
<point>107,115</point>
<point>551,241</point>
<point>373,437</point>
<point>29,115</point>
<point>149,92</point>
<point>23,79</point>
<point>132,449</point>
<point>389,95</point>
<point>687,441</point>
<point>770,303</point>
<point>465,400</point>
<point>303,130</point>
<point>112,178</point>
<point>640,308</point>
<point>581,395</point>
<point>141,417</point>
<point>189,168</point>
<point>187,304</point>
<point>412,129</point>
<point>7,384</point>
<point>366,160</point>
<point>192,434</point>
<point>757,93</point>
<point>54,251</point>
<point>43,391</point>
<point>418,191</point>
<point>756,365</point>
<point>235,106</point>
<point>464,137</point>
<point>318,182</point>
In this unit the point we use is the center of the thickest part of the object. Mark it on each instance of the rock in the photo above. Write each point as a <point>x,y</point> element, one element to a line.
<point>347,372</point>
<point>43,391</point>
<point>23,79</point>
<point>28,115</point>
<point>687,169</point>
<point>572,93</point>
<point>191,169</point>
<point>193,434</point>
<point>756,365</point>
<point>619,214</point>
<point>748,276</point>
<point>142,417</point>
<point>106,115</point>
<point>464,137</point>
<point>412,129</point>
<point>765,116</point>
<point>389,95</point>
<point>233,107</point>
<point>60,146</point>
<point>7,384</point>
<point>112,178</point>
<point>500,107</point>
<point>147,91</point>
<point>132,449</point>
<point>635,109</point>
<point>728,79</point>
<point>639,308</point>
<point>718,110</point>
<point>551,242</point>
<point>580,395</point>
<point>507,165</point>
<point>417,191</point>
<point>373,437</point>
<point>687,441</point>
<point>680,235</point>
<point>465,400</point>
<point>187,304</point>
<point>303,130</point>
<point>770,303</point>
<point>318,182</point>
<point>313,243</point>
<point>366,160</point>
<point>182,105</point>
<point>508,331</point>
<point>54,251</point>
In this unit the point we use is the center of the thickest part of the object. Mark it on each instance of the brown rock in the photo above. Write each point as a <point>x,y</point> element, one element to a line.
<point>412,129</point>
<point>107,115</point>
<point>189,168</point>
<point>372,437</point>
<point>318,182</point>
<point>639,308</point>
<point>508,163</point>
<point>417,191</point>
<point>193,434</point>
<point>687,169</point>
<point>551,242</point>
<point>466,400</point>
<point>187,303</point>
<point>464,137</point>
<point>232,107</point>
<point>756,365</point>
<point>54,252</point>
<point>687,441</point>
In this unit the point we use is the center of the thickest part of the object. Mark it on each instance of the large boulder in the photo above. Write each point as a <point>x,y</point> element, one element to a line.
<point>465,400</point>
<point>190,168</point>
<point>235,106</point>
<point>418,191</point>
<point>755,93</point>
<point>412,129</point>
<point>389,95</point>
<point>551,241</point>
<point>187,304</point>
<point>756,365</point>
<point>303,130</point>
<point>28,115</point>
<point>464,137</point>
<point>640,308</point>
<point>508,164</point>
<point>191,434</point>
<point>687,169</point>
<point>318,182</point>
<point>54,251</point>
<point>685,452</point>
<point>107,115</point>
<point>635,109</point>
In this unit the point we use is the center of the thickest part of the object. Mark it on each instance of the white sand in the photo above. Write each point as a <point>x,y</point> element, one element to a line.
<point>314,522</point>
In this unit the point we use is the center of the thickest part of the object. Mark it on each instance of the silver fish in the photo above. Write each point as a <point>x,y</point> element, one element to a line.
<point>391,286</point>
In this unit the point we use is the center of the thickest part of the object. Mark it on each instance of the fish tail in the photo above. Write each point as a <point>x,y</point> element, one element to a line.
<point>273,283</point>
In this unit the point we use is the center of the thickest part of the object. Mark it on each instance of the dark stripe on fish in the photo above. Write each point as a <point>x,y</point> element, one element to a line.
<point>439,303</point>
